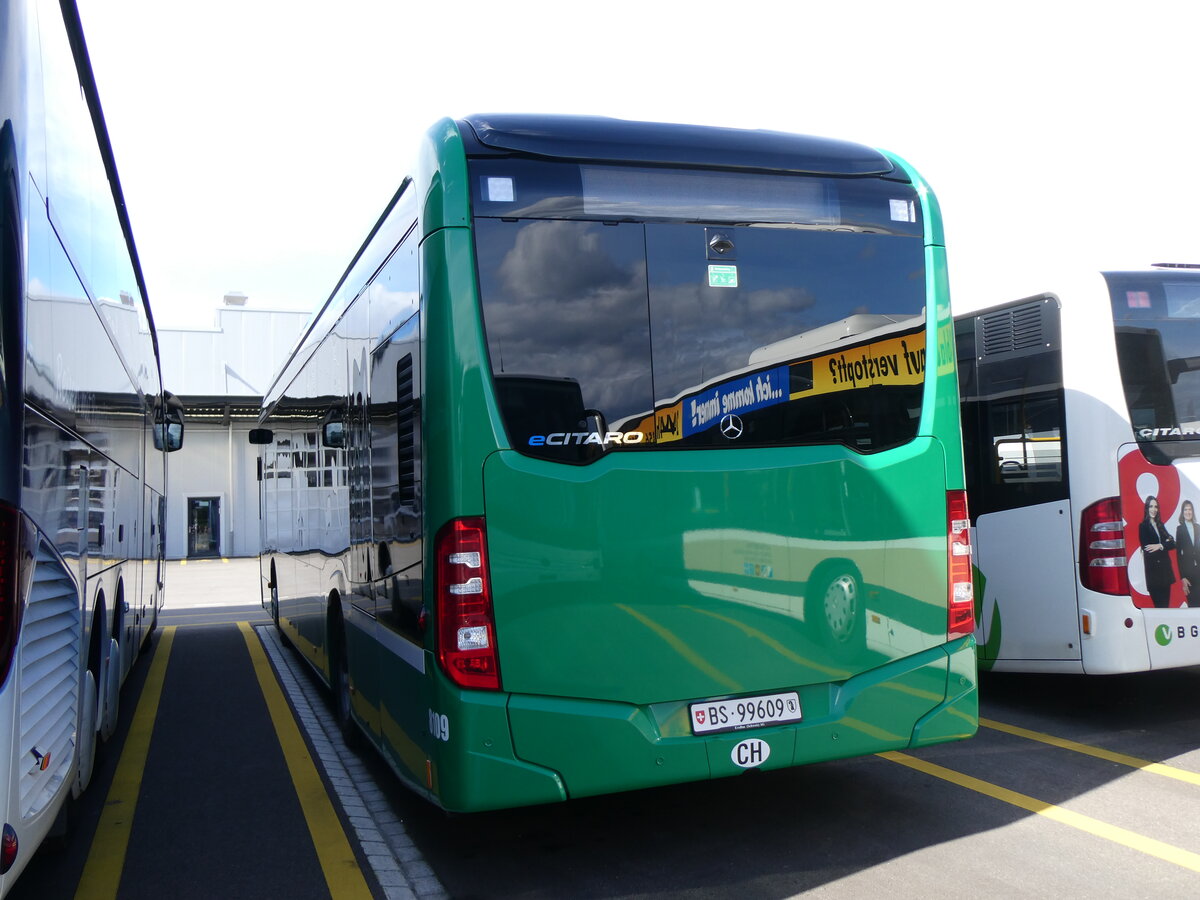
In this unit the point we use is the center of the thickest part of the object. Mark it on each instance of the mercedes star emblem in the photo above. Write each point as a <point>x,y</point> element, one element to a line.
<point>731,427</point>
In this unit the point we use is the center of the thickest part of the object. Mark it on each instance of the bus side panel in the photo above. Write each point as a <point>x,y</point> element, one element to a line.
<point>473,765</point>
<point>409,719</point>
<point>940,411</point>
<point>463,429</point>
<point>1029,606</point>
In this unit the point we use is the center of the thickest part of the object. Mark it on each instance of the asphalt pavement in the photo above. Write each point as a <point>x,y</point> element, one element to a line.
<point>1073,787</point>
<point>209,787</point>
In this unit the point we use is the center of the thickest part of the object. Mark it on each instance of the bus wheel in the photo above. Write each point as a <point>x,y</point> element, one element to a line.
<point>339,680</point>
<point>87,735</point>
<point>283,638</point>
<point>836,607</point>
<point>109,710</point>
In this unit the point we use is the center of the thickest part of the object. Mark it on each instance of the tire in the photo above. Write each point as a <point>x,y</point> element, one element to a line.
<point>86,748</point>
<point>109,710</point>
<point>283,638</point>
<point>339,683</point>
<point>153,625</point>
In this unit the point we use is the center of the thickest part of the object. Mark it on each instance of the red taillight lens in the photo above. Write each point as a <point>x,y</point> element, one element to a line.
<point>8,849</point>
<point>1102,561</point>
<point>465,623</point>
<point>10,579</point>
<point>961,615</point>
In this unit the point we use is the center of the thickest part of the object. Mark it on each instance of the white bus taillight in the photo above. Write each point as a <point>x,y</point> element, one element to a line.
<point>961,615</point>
<point>466,627</point>
<point>1102,562</point>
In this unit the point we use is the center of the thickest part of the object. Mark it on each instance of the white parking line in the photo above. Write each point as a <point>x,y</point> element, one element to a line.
<point>396,862</point>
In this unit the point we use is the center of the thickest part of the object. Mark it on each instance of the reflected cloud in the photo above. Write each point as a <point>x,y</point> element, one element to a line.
<point>566,285</point>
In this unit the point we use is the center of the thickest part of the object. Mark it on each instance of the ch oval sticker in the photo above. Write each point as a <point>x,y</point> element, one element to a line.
<point>750,753</point>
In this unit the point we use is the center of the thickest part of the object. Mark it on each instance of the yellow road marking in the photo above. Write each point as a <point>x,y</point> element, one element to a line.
<point>102,872</point>
<point>1180,857</point>
<point>873,731</point>
<point>683,649</point>
<point>263,621</point>
<point>837,674</point>
<point>342,874</point>
<point>1132,761</point>
<point>775,645</point>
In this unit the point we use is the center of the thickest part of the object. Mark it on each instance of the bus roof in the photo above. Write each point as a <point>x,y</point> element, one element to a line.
<point>600,139</point>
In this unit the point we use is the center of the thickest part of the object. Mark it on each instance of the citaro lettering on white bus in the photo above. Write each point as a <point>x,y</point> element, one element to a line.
<point>1147,433</point>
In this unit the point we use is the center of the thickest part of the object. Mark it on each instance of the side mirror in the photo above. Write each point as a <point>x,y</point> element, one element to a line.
<point>261,435</point>
<point>168,423</point>
<point>168,436</point>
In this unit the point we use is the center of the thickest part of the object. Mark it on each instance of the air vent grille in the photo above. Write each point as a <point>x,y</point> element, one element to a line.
<point>50,640</point>
<point>1012,330</point>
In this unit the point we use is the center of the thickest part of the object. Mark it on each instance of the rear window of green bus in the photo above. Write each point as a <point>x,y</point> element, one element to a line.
<point>636,309</point>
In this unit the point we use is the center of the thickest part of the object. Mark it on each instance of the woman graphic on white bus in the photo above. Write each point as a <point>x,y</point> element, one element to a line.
<point>1187,550</point>
<point>1156,542</point>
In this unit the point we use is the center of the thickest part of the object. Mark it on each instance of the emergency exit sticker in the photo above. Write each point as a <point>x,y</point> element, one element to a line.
<point>722,276</point>
<point>500,190</point>
<point>903,210</point>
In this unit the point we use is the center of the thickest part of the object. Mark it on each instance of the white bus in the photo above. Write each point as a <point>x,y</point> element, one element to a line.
<point>82,472</point>
<point>1081,430</point>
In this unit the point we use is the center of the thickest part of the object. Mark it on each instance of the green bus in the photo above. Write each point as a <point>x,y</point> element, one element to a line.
<point>613,460</point>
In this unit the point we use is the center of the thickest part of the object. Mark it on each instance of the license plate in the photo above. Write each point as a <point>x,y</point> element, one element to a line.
<point>713,716</point>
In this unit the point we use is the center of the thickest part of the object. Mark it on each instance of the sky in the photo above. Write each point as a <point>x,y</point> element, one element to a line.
<point>258,141</point>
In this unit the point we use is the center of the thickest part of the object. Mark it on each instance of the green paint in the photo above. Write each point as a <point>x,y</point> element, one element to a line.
<point>991,648</point>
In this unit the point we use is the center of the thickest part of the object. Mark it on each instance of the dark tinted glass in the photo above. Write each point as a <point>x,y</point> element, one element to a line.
<point>608,336</point>
<point>522,188</point>
<point>564,308</point>
<point>721,349</point>
<point>1014,445</point>
<point>1157,319</point>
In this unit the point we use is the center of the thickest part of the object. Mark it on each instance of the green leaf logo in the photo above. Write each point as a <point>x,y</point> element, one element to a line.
<point>1162,634</point>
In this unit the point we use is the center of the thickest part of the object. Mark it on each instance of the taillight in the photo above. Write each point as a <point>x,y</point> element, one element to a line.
<point>961,615</point>
<point>10,580</point>
<point>465,623</point>
<point>1102,562</point>
<point>8,849</point>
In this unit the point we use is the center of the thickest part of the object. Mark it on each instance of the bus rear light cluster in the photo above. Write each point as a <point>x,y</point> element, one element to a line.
<point>8,849</point>
<point>1102,563</point>
<point>961,605</point>
<point>465,622</point>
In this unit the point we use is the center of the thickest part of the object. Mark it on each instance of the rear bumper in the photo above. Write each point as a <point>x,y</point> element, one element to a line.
<point>563,748</point>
